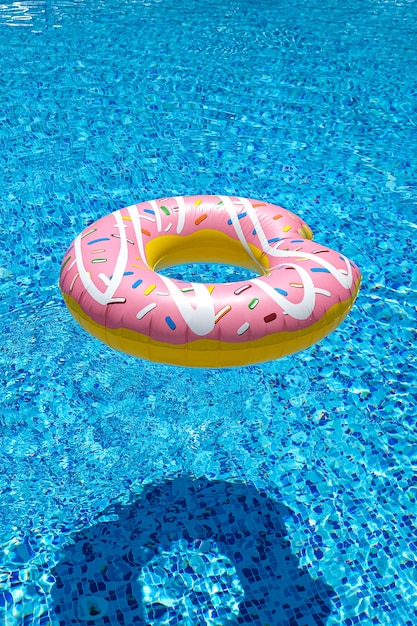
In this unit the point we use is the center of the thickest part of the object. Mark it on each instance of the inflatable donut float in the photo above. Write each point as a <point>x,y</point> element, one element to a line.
<point>111,284</point>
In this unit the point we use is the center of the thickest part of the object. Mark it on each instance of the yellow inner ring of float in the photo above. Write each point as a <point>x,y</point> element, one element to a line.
<point>205,246</point>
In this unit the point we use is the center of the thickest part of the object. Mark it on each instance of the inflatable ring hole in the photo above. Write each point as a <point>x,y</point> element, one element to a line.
<point>206,247</point>
<point>209,273</point>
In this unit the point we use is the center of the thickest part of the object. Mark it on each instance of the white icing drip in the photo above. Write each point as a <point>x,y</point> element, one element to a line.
<point>134,214</point>
<point>342,276</point>
<point>121,263</point>
<point>231,209</point>
<point>301,310</point>
<point>156,210</point>
<point>181,213</point>
<point>200,318</point>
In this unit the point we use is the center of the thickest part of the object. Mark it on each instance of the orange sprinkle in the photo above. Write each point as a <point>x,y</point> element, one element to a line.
<point>276,217</point>
<point>260,204</point>
<point>222,313</point>
<point>299,285</point>
<point>201,219</point>
<point>146,232</point>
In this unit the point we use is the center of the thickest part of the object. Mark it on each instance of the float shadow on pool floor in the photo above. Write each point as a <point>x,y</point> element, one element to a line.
<point>188,552</point>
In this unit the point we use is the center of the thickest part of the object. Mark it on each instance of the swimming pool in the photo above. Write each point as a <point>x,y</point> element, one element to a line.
<point>133,492</point>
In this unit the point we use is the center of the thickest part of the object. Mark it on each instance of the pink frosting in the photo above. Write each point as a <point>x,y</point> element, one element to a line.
<point>106,271</point>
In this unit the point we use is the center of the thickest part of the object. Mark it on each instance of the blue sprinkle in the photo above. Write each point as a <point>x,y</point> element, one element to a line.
<point>254,232</point>
<point>239,217</point>
<point>297,241</point>
<point>137,283</point>
<point>281,291</point>
<point>274,240</point>
<point>90,243</point>
<point>170,323</point>
<point>128,274</point>
<point>149,211</point>
<point>319,269</point>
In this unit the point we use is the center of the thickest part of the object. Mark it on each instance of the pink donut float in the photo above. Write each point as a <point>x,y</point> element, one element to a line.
<point>111,285</point>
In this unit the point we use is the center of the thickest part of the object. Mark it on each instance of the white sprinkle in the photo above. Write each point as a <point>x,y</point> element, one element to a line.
<point>73,281</point>
<point>243,328</point>
<point>145,310</point>
<point>117,301</point>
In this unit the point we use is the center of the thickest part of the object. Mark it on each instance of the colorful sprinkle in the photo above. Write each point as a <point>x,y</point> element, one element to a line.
<point>145,310</point>
<point>128,240</point>
<point>187,289</point>
<point>259,204</point>
<point>198,202</point>
<point>164,210</point>
<point>239,217</point>
<point>319,269</point>
<point>286,228</point>
<point>277,217</point>
<point>127,218</point>
<point>210,289</point>
<point>73,281</point>
<point>64,264</point>
<point>90,243</point>
<point>149,289</point>
<point>298,285</point>
<point>274,240</point>
<point>151,211</point>
<point>117,301</point>
<point>281,291</point>
<point>201,219</point>
<point>98,260</point>
<point>270,318</point>
<point>242,329</point>
<point>253,303</point>
<point>222,313</point>
<point>93,230</point>
<point>319,251</point>
<point>98,250</point>
<point>242,289</point>
<point>170,323</point>
<point>145,232</point>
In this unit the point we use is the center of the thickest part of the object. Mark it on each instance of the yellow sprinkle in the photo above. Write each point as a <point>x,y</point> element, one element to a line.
<point>301,259</point>
<point>125,217</point>
<point>210,289</point>
<point>198,202</point>
<point>286,228</point>
<point>149,289</point>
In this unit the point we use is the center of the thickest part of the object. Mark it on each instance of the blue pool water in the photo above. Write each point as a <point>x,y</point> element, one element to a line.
<point>138,493</point>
